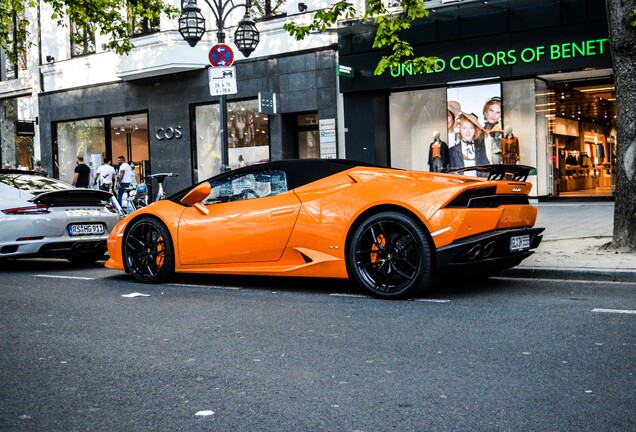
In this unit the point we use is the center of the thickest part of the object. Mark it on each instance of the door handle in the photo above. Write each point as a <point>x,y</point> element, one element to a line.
<point>283,212</point>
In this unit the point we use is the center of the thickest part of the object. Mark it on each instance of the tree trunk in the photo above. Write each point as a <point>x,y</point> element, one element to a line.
<point>623,50</point>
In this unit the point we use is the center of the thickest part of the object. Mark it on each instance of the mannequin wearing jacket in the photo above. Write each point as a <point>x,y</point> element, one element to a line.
<point>437,154</point>
<point>510,147</point>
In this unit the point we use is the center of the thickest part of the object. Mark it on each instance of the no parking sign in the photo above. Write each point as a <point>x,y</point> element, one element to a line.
<point>221,55</point>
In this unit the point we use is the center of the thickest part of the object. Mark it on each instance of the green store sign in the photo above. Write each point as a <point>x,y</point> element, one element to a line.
<point>539,53</point>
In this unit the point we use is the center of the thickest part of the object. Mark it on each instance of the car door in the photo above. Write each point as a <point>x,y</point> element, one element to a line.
<point>250,219</point>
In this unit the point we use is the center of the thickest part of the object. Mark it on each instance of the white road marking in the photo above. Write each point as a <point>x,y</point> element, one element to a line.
<point>616,311</point>
<point>135,294</point>
<point>63,277</point>
<point>350,295</point>
<point>433,300</point>
<point>585,281</point>
<point>204,286</point>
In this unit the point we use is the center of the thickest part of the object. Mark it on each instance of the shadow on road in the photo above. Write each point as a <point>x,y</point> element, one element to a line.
<point>444,288</point>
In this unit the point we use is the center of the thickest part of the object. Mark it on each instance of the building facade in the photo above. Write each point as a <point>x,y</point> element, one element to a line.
<point>156,106</point>
<point>545,62</point>
<point>544,65</point>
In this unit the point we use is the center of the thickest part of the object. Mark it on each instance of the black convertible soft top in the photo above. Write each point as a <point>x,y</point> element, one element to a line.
<point>299,172</point>
<point>304,171</point>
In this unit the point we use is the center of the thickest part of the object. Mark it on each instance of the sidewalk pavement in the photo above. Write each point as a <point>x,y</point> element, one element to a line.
<point>576,240</point>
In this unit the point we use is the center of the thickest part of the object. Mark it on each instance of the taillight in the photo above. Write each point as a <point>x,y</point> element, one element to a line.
<point>30,210</point>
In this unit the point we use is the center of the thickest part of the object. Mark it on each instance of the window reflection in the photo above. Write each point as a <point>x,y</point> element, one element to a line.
<point>81,137</point>
<point>248,137</point>
<point>238,187</point>
<point>29,182</point>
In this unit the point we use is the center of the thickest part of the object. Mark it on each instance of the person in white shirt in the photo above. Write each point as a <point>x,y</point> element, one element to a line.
<point>105,176</point>
<point>126,177</point>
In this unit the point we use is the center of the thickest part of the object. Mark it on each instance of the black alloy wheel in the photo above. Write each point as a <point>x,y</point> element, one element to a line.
<point>390,256</point>
<point>149,251</point>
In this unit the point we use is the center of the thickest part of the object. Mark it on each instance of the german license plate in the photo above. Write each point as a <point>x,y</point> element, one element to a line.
<point>86,229</point>
<point>518,243</point>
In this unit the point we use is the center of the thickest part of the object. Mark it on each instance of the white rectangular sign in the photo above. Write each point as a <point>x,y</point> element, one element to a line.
<point>327,123</point>
<point>327,132</point>
<point>222,81</point>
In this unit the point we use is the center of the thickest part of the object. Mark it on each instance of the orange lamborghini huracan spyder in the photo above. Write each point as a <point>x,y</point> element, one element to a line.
<point>392,231</point>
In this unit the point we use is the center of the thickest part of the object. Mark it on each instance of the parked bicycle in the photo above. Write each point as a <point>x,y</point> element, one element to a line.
<point>136,195</point>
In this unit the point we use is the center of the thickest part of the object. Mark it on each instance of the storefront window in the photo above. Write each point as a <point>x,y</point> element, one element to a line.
<point>582,134</point>
<point>416,117</point>
<point>80,137</point>
<point>16,133</point>
<point>248,137</point>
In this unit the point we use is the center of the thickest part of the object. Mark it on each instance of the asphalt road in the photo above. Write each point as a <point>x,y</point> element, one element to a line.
<point>236,354</point>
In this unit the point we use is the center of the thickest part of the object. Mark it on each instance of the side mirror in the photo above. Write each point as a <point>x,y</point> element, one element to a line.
<point>196,195</point>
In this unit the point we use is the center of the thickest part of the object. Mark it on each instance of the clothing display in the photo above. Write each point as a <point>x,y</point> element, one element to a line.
<point>438,156</point>
<point>510,149</point>
<point>495,138</point>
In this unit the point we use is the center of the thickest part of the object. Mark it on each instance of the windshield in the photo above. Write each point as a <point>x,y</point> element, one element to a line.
<point>33,183</point>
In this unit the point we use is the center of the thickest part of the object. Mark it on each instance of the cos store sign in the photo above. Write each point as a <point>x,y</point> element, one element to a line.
<point>169,133</point>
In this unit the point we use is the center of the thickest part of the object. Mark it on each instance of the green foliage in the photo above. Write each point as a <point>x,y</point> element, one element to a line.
<point>268,8</point>
<point>632,18</point>
<point>389,28</point>
<point>104,16</point>
<point>323,19</point>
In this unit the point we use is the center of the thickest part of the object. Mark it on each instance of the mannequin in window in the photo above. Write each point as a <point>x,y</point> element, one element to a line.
<point>496,137</point>
<point>510,147</point>
<point>437,154</point>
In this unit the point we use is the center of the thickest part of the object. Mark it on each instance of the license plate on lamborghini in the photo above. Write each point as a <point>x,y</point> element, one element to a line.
<point>85,229</point>
<point>519,243</point>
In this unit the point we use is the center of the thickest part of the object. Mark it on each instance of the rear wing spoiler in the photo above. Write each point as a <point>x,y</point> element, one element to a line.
<point>500,171</point>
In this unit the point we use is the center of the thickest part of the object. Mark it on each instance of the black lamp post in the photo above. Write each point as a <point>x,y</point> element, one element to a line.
<point>246,38</point>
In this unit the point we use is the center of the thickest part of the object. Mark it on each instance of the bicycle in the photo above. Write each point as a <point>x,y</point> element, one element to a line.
<point>160,177</point>
<point>137,194</point>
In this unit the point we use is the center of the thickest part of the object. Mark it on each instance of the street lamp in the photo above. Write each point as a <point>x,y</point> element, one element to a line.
<point>246,38</point>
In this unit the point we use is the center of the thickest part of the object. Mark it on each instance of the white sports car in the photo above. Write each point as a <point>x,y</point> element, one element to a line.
<point>44,217</point>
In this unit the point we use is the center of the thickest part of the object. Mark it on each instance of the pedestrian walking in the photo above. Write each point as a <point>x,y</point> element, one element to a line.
<point>82,175</point>
<point>105,176</point>
<point>38,169</point>
<point>125,179</point>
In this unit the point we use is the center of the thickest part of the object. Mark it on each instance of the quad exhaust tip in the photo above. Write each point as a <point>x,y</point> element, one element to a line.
<point>479,251</point>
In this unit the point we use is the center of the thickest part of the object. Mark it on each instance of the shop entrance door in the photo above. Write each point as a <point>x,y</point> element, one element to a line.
<point>583,147</point>
<point>129,138</point>
<point>307,136</point>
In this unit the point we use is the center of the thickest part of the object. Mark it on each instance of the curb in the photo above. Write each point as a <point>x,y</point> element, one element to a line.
<point>590,274</point>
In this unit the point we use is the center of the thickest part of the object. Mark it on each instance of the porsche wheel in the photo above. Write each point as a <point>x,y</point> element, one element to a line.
<point>148,251</point>
<point>390,256</point>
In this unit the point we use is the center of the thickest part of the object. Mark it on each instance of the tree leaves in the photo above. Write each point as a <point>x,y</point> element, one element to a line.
<point>105,16</point>
<point>389,28</point>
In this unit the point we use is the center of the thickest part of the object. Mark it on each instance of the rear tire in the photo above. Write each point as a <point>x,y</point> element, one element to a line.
<point>149,251</point>
<point>390,256</point>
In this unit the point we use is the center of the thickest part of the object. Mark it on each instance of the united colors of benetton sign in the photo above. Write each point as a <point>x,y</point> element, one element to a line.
<point>489,59</point>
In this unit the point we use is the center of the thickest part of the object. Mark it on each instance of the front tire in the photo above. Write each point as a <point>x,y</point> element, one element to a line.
<point>390,256</point>
<point>149,251</point>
